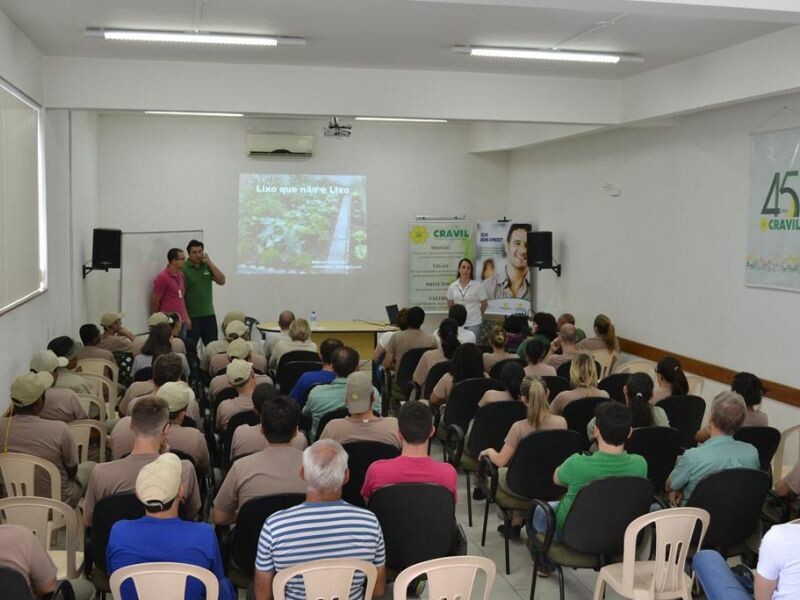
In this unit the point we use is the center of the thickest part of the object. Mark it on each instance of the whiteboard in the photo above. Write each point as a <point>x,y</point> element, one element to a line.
<point>144,255</point>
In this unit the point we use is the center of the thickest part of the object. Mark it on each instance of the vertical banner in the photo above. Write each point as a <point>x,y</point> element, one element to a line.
<point>773,229</point>
<point>435,247</point>
<point>501,264</point>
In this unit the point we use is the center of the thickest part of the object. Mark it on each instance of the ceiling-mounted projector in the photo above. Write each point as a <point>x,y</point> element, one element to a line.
<point>336,129</point>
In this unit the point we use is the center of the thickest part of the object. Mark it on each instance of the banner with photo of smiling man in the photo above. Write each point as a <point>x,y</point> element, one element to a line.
<point>501,260</point>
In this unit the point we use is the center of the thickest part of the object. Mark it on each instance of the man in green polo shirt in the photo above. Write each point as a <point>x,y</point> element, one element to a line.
<point>199,273</point>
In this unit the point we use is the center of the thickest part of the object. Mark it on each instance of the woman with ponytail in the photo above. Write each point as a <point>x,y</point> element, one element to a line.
<point>511,376</point>
<point>670,378</point>
<point>583,378</point>
<point>605,336</point>
<point>498,341</point>
<point>448,342</point>
<point>534,355</point>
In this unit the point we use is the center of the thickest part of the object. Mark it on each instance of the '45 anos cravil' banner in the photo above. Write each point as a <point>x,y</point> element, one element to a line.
<point>773,217</point>
<point>435,248</point>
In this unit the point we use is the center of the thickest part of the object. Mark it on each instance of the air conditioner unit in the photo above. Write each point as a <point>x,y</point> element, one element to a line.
<point>268,144</point>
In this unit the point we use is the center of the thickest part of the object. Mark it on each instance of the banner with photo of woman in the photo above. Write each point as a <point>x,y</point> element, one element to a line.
<point>501,264</point>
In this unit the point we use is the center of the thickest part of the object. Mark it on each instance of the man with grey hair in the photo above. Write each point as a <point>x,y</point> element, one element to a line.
<point>273,337</point>
<point>720,452</point>
<point>325,472</point>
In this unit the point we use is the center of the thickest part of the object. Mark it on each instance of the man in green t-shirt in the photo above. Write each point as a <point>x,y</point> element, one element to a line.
<point>200,273</point>
<point>613,427</point>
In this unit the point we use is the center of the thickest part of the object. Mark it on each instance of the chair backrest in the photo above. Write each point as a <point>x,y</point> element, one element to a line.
<point>696,384</point>
<point>579,412</point>
<point>601,513</point>
<point>639,365</point>
<point>297,356</point>
<point>563,369</point>
<point>555,385</point>
<point>100,366</point>
<point>19,474</point>
<point>14,585</point>
<point>614,384</point>
<point>81,431</point>
<point>463,401</point>
<point>418,521</point>
<point>337,413</point>
<point>35,514</point>
<point>449,578</point>
<point>360,455</point>
<point>765,439</point>
<point>685,413</point>
<point>606,360</point>
<point>673,536</point>
<point>163,580</point>
<point>108,391</point>
<point>404,371</point>
<point>249,521</point>
<point>143,374</point>
<point>247,417</point>
<point>434,375</point>
<point>291,372</point>
<point>327,579</point>
<point>93,407</point>
<point>778,465</point>
<point>491,424</point>
<point>530,472</point>
<point>227,393</point>
<point>660,447</point>
<point>495,371</point>
<point>108,511</point>
<point>250,322</point>
<point>733,498</point>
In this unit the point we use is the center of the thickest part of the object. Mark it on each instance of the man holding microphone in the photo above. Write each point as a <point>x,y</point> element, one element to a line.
<point>200,272</point>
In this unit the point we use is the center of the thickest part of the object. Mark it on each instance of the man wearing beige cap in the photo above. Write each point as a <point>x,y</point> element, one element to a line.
<point>115,338</point>
<point>238,348</point>
<point>60,404</point>
<point>160,536</point>
<point>362,425</point>
<point>187,440</point>
<point>273,470</point>
<point>150,425</point>
<point>156,319</point>
<point>233,330</point>
<point>24,431</point>
<point>240,375</point>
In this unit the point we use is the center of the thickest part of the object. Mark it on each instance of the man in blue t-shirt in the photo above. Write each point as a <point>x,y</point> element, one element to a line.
<point>323,376</point>
<point>160,536</point>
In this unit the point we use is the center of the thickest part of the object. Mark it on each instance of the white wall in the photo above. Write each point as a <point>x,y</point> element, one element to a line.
<point>665,259</point>
<point>167,173</point>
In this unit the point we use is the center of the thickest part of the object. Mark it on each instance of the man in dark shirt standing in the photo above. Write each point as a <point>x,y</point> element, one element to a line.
<point>200,272</point>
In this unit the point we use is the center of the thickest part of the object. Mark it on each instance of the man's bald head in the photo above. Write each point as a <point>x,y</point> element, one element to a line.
<point>568,334</point>
<point>285,319</point>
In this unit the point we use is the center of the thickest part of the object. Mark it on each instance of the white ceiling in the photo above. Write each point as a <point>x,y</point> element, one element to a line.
<point>386,34</point>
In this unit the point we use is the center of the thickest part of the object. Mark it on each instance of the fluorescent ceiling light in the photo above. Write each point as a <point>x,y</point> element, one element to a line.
<point>401,120</point>
<point>192,113</point>
<point>189,37</point>
<point>544,54</point>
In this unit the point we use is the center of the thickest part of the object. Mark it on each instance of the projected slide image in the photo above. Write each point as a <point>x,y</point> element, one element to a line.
<point>302,224</point>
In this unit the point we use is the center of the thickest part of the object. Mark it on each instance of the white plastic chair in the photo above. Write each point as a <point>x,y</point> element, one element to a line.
<point>93,406</point>
<point>81,432</point>
<point>663,577</point>
<point>105,389</point>
<point>99,366</point>
<point>19,472</point>
<point>163,580</point>
<point>639,365</point>
<point>606,358</point>
<point>326,579</point>
<point>34,514</point>
<point>450,578</point>
<point>779,467</point>
<point>696,385</point>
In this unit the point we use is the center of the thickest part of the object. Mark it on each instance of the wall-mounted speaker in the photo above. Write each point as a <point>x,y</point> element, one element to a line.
<point>106,248</point>
<point>540,249</point>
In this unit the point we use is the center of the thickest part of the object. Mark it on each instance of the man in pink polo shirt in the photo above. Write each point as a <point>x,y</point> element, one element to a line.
<point>169,289</point>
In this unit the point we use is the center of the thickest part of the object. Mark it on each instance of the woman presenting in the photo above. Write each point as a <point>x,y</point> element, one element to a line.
<point>465,290</point>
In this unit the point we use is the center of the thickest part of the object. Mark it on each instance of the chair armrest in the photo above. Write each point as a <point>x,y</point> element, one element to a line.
<point>487,468</point>
<point>454,436</point>
<point>437,415</point>
<point>534,544</point>
<point>224,537</point>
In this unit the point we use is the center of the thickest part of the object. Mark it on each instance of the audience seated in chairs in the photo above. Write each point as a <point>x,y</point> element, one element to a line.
<point>467,364</point>
<point>448,342</point>
<point>25,432</point>
<point>605,336</point>
<point>249,439</point>
<point>150,426</point>
<point>563,348</point>
<point>233,328</point>
<point>415,424</point>
<point>322,377</point>
<point>458,312</point>
<point>238,348</point>
<point>511,378</point>
<point>241,376</point>
<point>413,337</point>
<point>565,318</point>
<point>497,340</point>
<point>160,536</point>
<point>65,347</point>
<point>188,440</point>
<point>749,387</point>
<point>91,338</point>
<point>324,472</point>
<point>670,380</point>
<point>720,452</point>
<point>361,425</point>
<point>583,377</point>
<point>116,337</point>
<point>299,339</point>
<point>273,470</point>
<point>545,330</point>
<point>534,356</point>
<point>273,337</point>
<point>401,322</point>
<point>157,318</point>
<point>60,404</point>
<point>158,343</point>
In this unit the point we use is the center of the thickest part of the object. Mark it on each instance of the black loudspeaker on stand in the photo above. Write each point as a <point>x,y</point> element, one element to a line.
<point>106,251</point>
<point>540,251</point>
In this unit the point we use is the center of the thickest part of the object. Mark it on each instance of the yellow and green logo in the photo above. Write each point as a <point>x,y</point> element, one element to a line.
<point>418,234</point>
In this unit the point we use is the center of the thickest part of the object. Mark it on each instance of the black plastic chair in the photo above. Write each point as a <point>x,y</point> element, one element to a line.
<point>296,356</point>
<point>556,385</point>
<point>733,498</point>
<point>434,375</point>
<point>660,447</point>
<point>490,427</point>
<point>247,417</point>
<point>594,530</point>
<point>14,585</point>
<point>462,405</point>
<point>579,412</point>
<point>227,393</point>
<point>614,384</point>
<point>418,521</point>
<point>530,475</point>
<point>401,384</point>
<point>339,413</point>
<point>685,413</point>
<point>563,369</point>
<point>238,546</point>
<point>494,372</point>
<point>360,455</point>
<point>143,374</point>
<point>291,372</point>
<point>765,440</point>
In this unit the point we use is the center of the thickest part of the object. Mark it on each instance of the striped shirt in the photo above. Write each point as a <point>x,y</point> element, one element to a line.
<point>317,530</point>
